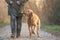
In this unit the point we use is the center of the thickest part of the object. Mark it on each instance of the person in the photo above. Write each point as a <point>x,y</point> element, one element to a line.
<point>15,10</point>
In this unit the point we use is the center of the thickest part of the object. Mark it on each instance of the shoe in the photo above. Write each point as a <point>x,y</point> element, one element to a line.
<point>12,36</point>
<point>18,35</point>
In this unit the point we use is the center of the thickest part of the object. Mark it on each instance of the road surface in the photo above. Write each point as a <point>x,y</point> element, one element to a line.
<point>5,34</point>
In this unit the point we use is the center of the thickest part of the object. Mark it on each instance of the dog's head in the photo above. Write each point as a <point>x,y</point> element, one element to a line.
<point>28,12</point>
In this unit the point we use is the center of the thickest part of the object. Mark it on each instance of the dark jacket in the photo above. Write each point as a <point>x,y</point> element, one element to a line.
<point>14,9</point>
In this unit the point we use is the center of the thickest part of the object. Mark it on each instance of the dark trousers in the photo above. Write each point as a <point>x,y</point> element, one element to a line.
<point>16,23</point>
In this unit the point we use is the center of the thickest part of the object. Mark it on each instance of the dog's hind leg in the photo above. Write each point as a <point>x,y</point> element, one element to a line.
<point>38,28</point>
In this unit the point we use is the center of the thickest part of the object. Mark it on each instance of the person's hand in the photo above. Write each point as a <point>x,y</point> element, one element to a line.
<point>11,2</point>
<point>18,2</point>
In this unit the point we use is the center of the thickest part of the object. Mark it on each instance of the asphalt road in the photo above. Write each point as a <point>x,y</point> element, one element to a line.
<point>5,34</point>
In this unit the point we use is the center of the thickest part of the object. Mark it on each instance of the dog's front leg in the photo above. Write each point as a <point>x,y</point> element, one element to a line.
<point>35,28</point>
<point>30,31</point>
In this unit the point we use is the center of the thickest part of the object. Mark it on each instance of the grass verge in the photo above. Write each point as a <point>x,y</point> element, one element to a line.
<point>54,28</point>
<point>2,24</point>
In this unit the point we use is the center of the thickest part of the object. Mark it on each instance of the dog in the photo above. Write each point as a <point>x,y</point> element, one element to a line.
<point>33,22</point>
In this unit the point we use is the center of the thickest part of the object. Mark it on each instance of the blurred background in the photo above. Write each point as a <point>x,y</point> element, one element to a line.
<point>47,10</point>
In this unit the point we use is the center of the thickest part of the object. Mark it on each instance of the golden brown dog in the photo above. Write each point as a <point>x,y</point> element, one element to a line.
<point>33,22</point>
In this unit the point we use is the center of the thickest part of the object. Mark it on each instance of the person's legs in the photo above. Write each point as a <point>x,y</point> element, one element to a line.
<point>13,27</point>
<point>19,24</point>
